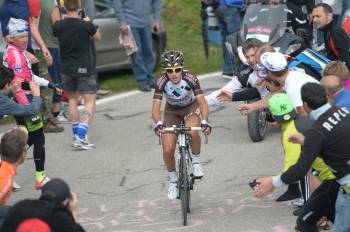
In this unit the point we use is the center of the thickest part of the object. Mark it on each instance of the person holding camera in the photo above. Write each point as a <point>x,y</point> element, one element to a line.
<point>9,106</point>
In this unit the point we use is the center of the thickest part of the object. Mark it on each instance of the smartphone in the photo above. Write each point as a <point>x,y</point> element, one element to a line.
<point>25,86</point>
<point>253,184</point>
<point>82,13</point>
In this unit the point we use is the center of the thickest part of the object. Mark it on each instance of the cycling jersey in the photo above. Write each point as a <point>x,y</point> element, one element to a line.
<point>17,60</point>
<point>178,95</point>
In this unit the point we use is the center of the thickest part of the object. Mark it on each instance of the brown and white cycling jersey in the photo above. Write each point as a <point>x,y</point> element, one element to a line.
<point>178,95</point>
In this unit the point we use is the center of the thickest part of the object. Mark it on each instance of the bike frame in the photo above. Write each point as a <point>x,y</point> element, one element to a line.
<point>184,166</point>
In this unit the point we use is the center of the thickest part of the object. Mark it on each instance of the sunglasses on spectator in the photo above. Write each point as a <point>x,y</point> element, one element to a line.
<point>262,72</point>
<point>172,70</point>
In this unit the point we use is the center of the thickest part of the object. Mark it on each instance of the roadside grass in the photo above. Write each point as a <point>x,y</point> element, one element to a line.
<point>181,19</point>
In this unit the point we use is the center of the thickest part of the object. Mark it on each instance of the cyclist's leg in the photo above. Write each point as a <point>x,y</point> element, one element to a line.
<point>171,117</point>
<point>169,145</point>
<point>191,116</point>
<point>193,120</point>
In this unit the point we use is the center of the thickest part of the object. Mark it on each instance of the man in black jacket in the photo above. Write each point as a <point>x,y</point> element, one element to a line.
<point>329,136</point>
<point>337,42</point>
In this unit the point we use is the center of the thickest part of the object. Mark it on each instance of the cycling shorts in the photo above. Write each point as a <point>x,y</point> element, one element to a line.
<point>174,116</point>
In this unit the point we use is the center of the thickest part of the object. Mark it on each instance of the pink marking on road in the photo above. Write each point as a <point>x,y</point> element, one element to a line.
<point>279,228</point>
<point>221,210</point>
<point>103,209</point>
<point>141,203</point>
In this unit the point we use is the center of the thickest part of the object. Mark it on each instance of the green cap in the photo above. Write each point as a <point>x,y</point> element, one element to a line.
<point>281,107</point>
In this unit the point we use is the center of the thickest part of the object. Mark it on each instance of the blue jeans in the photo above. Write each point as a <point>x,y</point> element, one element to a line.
<point>345,12</point>
<point>230,21</point>
<point>342,212</point>
<point>54,72</point>
<point>143,60</point>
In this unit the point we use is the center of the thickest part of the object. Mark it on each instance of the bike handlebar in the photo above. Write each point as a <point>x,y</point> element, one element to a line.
<point>184,129</point>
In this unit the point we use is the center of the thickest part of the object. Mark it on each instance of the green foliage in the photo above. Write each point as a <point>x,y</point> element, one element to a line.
<point>181,19</point>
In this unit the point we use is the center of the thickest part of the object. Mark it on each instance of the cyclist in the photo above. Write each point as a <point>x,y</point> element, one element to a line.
<point>184,101</point>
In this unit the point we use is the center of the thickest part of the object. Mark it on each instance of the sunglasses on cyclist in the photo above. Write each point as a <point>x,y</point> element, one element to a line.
<point>172,70</point>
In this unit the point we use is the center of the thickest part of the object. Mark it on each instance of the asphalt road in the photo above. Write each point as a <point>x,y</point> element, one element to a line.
<point>122,184</point>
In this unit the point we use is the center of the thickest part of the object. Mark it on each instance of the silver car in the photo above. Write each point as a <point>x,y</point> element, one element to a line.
<point>110,54</point>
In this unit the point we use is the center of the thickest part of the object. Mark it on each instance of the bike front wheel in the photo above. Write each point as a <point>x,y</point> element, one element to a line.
<point>184,186</point>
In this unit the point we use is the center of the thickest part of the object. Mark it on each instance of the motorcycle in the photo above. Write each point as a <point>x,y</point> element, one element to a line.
<point>268,23</point>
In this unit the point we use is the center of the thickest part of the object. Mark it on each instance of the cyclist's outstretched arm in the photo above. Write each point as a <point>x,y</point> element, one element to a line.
<point>203,107</point>
<point>156,110</point>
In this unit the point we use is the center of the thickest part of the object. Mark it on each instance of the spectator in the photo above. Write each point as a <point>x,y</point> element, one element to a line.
<point>229,18</point>
<point>281,107</point>
<point>337,42</point>
<point>29,11</point>
<point>306,5</point>
<point>57,206</point>
<point>53,214</point>
<point>16,59</point>
<point>336,94</point>
<point>276,67</point>
<point>336,7</point>
<point>340,70</point>
<point>33,225</point>
<point>134,15</point>
<point>13,150</point>
<point>10,107</point>
<point>328,138</point>
<point>47,17</point>
<point>77,69</point>
<point>238,84</point>
<point>57,191</point>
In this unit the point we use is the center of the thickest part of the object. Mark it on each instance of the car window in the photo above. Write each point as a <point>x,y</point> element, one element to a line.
<point>104,9</point>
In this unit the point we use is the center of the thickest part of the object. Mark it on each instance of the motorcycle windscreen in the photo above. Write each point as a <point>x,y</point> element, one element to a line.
<point>266,23</point>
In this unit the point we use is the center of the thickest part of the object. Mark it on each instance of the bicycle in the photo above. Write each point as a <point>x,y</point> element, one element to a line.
<point>184,166</point>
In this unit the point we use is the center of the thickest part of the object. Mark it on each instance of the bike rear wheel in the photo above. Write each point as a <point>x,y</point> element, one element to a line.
<point>184,186</point>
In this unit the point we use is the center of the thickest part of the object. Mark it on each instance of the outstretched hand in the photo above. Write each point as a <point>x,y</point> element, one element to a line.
<point>224,95</point>
<point>264,187</point>
<point>246,109</point>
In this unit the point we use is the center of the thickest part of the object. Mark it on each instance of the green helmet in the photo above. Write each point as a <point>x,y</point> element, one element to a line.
<point>281,107</point>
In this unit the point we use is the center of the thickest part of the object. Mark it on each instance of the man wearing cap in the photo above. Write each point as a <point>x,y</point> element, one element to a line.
<point>328,138</point>
<point>276,67</point>
<point>283,112</point>
<point>57,191</point>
